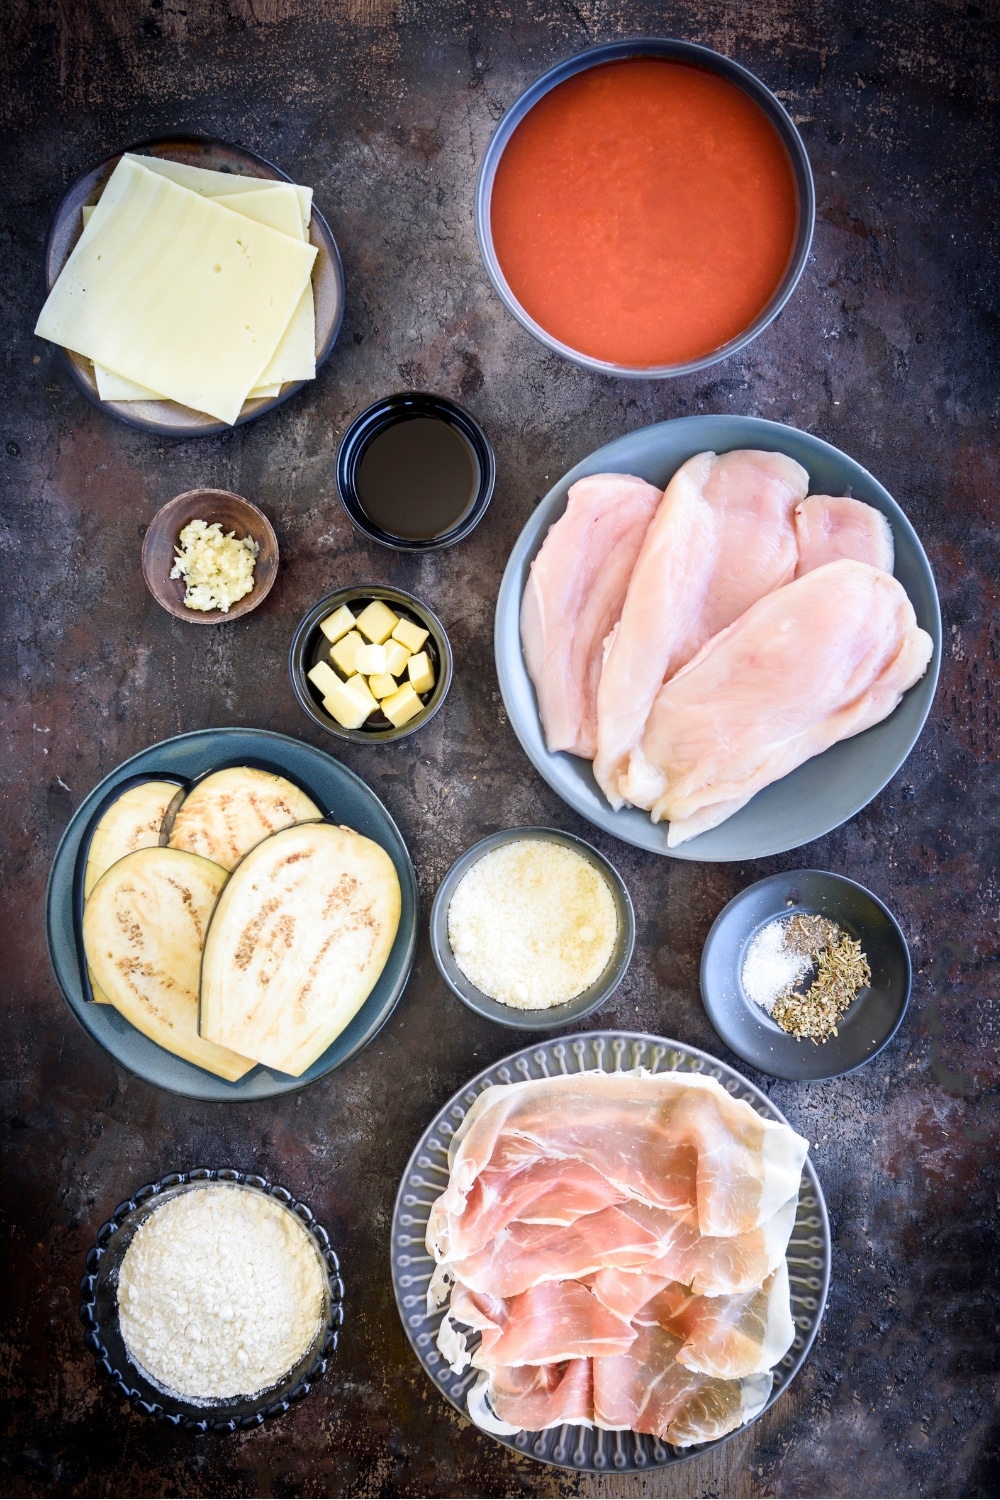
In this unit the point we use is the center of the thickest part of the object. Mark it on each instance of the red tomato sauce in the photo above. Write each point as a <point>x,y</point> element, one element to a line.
<point>644,212</point>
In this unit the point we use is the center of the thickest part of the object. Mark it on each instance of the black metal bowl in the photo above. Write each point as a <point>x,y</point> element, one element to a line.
<point>872,1020</point>
<point>385,413</point>
<point>310,646</point>
<point>103,1336</point>
<point>672,49</point>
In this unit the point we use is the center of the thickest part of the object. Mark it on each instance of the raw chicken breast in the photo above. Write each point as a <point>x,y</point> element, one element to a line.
<point>574,597</point>
<point>722,537</point>
<point>814,662</point>
<point>649,1390</point>
<point>828,527</point>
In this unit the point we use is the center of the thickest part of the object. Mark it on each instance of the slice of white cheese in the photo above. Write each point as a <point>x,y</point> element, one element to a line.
<point>173,291</point>
<point>112,387</point>
<point>212,184</point>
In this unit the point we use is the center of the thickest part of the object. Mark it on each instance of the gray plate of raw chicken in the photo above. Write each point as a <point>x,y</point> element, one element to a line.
<point>573,1061</point>
<point>812,606</point>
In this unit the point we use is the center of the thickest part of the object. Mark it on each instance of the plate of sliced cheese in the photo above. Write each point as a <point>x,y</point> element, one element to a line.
<point>232,914</point>
<point>192,286</point>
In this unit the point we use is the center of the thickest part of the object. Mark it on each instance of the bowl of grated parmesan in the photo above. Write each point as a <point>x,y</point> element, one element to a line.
<point>533,928</point>
<point>212,1300</point>
<point>209,556</point>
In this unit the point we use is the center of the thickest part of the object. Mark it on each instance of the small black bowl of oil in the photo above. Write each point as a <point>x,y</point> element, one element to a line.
<point>415,472</point>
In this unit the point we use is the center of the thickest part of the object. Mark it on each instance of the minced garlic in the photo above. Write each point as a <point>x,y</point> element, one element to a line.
<point>221,1292</point>
<point>216,567</point>
<point>532,924</point>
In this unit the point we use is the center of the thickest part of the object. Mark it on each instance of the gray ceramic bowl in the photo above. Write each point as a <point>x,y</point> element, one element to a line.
<point>310,646</point>
<point>821,794</point>
<point>555,1016</point>
<point>671,49</point>
<point>872,1020</point>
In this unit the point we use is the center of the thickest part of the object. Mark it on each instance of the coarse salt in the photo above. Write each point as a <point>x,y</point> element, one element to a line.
<point>769,968</point>
<point>532,924</point>
<point>221,1292</point>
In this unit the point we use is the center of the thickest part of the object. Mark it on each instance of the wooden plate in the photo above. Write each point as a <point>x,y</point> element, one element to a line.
<point>218,156</point>
<point>233,514</point>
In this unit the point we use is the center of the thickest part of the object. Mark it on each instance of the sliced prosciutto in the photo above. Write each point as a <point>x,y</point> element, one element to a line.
<point>676,1141</point>
<point>829,527</point>
<point>722,537</point>
<point>647,1389</point>
<point>814,662</point>
<point>573,599</point>
<point>611,1250</point>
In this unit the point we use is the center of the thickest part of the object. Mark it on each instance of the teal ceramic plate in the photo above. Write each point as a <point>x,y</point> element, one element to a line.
<point>341,794</point>
<point>821,794</point>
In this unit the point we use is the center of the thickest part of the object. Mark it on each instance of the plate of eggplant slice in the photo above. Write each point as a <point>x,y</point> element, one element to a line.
<point>232,914</point>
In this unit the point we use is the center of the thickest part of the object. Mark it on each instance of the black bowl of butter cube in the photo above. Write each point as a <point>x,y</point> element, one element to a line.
<point>370,662</point>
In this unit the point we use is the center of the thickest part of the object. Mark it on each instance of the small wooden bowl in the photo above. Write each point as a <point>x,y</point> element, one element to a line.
<point>234,514</point>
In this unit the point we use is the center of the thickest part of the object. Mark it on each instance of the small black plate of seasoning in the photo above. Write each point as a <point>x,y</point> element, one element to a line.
<point>415,472</point>
<point>822,953</point>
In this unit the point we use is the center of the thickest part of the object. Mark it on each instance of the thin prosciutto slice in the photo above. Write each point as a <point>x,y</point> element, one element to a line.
<point>573,599</point>
<point>814,662</point>
<point>829,527</point>
<point>728,1337</point>
<point>722,537</point>
<point>647,1389</point>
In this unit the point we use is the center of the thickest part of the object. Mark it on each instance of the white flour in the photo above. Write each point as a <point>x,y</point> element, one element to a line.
<point>220,1293</point>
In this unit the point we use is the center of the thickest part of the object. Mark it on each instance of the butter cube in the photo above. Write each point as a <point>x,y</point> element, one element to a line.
<point>383,684</point>
<point>377,622</point>
<point>342,654</point>
<point>396,657</point>
<point>421,672</point>
<point>350,702</point>
<point>337,624</point>
<point>323,677</point>
<point>370,660</point>
<point>410,635</point>
<point>402,706</point>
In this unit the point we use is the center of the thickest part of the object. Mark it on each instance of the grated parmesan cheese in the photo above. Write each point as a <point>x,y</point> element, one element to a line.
<point>221,1292</point>
<point>532,924</point>
<point>217,568</point>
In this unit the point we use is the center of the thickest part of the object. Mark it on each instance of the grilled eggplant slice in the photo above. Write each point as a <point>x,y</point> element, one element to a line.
<point>133,821</point>
<point>298,940</point>
<point>226,813</point>
<point>143,931</point>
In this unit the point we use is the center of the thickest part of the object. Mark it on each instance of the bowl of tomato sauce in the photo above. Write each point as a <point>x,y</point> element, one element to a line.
<point>645,208</point>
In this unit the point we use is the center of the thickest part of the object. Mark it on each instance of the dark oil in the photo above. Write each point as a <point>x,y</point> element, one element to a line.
<point>417,478</point>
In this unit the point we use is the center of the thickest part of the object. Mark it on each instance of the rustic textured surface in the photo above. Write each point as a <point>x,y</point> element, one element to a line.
<point>889,349</point>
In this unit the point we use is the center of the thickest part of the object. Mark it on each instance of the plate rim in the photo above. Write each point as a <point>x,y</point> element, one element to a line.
<point>713,1010</point>
<point>527,545</point>
<point>211,426</point>
<point>79,823</point>
<point>519,1062</point>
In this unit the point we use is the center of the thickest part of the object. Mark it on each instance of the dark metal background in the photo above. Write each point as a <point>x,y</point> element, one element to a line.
<point>889,349</point>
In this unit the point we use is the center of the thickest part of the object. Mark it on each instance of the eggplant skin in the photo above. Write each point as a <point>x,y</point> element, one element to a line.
<point>144,927</point>
<point>227,813</point>
<point>297,942</point>
<point>133,821</point>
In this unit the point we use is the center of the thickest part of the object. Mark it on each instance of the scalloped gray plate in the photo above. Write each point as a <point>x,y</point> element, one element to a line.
<point>572,1447</point>
<point>818,796</point>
